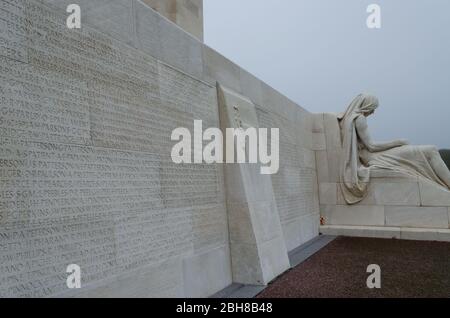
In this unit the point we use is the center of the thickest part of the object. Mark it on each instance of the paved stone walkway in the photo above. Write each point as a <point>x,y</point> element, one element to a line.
<point>408,269</point>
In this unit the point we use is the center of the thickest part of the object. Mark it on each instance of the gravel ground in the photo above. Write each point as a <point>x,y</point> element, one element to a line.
<point>408,269</point>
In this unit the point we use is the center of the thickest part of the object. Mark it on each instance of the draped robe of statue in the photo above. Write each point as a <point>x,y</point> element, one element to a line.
<point>358,161</point>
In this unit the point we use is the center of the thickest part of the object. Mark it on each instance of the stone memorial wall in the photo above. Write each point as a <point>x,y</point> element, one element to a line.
<point>86,175</point>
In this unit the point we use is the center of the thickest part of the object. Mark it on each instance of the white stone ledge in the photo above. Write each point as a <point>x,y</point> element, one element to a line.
<point>417,217</point>
<point>353,215</point>
<point>433,195</point>
<point>442,235</point>
<point>361,231</point>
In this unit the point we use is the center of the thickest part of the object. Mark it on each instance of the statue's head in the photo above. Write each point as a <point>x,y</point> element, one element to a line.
<point>363,104</point>
<point>368,105</point>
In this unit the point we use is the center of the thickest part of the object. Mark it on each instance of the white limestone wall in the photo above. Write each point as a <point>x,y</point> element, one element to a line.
<point>396,206</point>
<point>188,14</point>
<point>85,169</point>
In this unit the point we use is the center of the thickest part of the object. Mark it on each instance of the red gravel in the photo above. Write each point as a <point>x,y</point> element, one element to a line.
<point>408,269</point>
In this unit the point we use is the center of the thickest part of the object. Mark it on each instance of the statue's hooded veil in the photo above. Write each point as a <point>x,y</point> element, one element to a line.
<point>354,176</point>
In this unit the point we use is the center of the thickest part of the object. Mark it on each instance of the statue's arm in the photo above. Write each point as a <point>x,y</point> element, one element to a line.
<point>364,136</point>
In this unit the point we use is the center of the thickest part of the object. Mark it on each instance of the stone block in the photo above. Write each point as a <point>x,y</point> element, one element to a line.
<point>234,185</point>
<point>417,217</point>
<point>240,224</point>
<point>385,175</point>
<point>13,31</point>
<point>274,101</point>
<point>332,131</point>
<point>318,124</point>
<point>334,164</point>
<point>306,117</point>
<point>322,166</point>
<point>393,193</point>
<point>260,220</point>
<point>246,264</point>
<point>219,69</point>
<point>112,17</point>
<point>207,273</point>
<point>164,280</point>
<point>319,141</point>
<point>292,234</point>
<point>304,139</point>
<point>328,193</point>
<point>274,260</point>
<point>251,87</point>
<point>388,193</point>
<point>433,194</point>
<point>309,227</point>
<point>353,215</point>
<point>251,175</point>
<point>316,201</point>
<point>180,49</point>
<point>188,14</point>
<point>147,25</point>
<point>266,221</point>
<point>309,159</point>
<point>425,234</point>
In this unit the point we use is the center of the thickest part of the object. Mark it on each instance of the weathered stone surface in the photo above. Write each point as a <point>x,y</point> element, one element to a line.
<point>180,50</point>
<point>328,193</point>
<point>292,234</point>
<point>418,217</point>
<point>112,17</point>
<point>159,281</point>
<point>207,273</point>
<point>188,14</point>
<point>255,227</point>
<point>294,184</point>
<point>309,227</point>
<point>353,215</point>
<point>425,235</point>
<point>319,141</point>
<point>433,195</point>
<point>318,124</point>
<point>218,68</point>
<point>390,192</point>
<point>332,131</point>
<point>362,231</point>
<point>85,168</point>
<point>147,25</point>
<point>388,232</point>
<point>322,167</point>
<point>252,87</point>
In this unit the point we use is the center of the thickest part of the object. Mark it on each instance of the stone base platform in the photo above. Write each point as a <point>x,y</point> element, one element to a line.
<point>417,234</point>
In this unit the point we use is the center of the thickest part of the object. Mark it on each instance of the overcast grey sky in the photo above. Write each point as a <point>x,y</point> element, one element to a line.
<point>321,54</point>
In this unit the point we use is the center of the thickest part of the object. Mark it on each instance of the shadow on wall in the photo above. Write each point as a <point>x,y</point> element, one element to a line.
<point>445,154</point>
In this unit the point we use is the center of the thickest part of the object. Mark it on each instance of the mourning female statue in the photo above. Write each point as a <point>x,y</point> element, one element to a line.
<point>361,154</point>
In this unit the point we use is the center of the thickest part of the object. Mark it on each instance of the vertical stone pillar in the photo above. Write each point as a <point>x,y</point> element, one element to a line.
<point>258,250</point>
